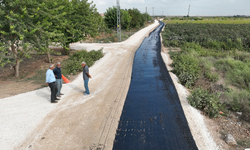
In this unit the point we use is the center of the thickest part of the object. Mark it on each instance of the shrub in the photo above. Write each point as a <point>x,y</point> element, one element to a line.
<point>236,72</point>
<point>202,99</point>
<point>187,68</point>
<point>191,45</point>
<point>74,63</point>
<point>238,101</point>
<point>212,76</point>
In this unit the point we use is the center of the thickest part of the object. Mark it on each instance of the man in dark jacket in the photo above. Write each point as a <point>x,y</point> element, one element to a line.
<point>86,77</point>
<point>58,75</point>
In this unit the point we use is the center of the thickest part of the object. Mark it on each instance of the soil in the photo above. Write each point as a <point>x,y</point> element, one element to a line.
<point>10,86</point>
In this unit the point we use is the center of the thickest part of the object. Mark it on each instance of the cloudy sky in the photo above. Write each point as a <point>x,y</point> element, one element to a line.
<point>180,7</point>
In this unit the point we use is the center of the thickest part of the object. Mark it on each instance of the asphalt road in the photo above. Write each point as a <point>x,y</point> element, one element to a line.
<point>152,116</point>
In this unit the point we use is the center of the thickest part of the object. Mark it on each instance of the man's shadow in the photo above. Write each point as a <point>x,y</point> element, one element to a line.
<point>45,93</point>
<point>76,88</point>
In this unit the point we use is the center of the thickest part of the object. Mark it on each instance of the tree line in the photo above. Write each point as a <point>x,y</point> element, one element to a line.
<point>31,26</point>
<point>130,18</point>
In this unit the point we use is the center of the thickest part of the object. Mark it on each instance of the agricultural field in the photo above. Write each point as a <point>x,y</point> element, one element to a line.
<point>214,36</point>
<point>211,21</point>
<point>214,63</point>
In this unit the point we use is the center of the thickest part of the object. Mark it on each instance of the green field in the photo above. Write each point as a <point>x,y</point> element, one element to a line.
<point>210,21</point>
<point>215,36</point>
<point>214,62</point>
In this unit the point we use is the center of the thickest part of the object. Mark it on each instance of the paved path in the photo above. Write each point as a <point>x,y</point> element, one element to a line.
<point>152,117</point>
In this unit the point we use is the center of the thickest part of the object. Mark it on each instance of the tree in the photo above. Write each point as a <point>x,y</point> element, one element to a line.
<point>51,15</point>
<point>111,18</point>
<point>126,20</point>
<point>137,19</point>
<point>19,30</point>
<point>80,21</point>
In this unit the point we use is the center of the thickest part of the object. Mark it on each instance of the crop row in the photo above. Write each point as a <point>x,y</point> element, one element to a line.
<point>216,36</point>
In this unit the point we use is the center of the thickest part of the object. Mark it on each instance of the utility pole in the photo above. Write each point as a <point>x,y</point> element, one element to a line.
<point>188,11</point>
<point>146,15</point>
<point>153,12</point>
<point>118,21</point>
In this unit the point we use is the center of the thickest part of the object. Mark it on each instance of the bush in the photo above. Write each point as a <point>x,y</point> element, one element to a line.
<point>202,99</point>
<point>238,100</point>
<point>212,76</point>
<point>74,63</point>
<point>187,68</point>
<point>236,72</point>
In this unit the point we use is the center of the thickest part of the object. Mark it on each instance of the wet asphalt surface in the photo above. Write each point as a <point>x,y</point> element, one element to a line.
<point>152,116</point>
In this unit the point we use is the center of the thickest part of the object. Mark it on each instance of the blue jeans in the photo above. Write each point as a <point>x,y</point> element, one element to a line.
<point>59,86</point>
<point>86,86</point>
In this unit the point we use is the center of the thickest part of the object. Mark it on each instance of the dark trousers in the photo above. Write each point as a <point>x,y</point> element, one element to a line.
<point>53,90</point>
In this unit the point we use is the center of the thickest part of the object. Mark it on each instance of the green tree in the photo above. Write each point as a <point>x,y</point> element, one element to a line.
<point>126,20</point>
<point>146,17</point>
<point>51,13</point>
<point>111,18</point>
<point>137,19</point>
<point>81,20</point>
<point>19,30</point>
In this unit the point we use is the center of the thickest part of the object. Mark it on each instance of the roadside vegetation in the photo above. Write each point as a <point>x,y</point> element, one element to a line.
<point>70,66</point>
<point>28,28</point>
<point>214,62</point>
<point>132,20</point>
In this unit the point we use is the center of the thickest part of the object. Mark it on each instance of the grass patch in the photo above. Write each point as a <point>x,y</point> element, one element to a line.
<point>244,142</point>
<point>39,77</point>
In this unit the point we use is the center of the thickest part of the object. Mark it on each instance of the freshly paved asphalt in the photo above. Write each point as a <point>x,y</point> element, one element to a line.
<point>152,117</point>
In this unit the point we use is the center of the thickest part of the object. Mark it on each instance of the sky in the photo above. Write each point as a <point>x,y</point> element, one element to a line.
<point>180,7</point>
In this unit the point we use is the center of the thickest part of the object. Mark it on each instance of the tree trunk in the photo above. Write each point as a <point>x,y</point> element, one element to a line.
<point>66,49</point>
<point>16,67</point>
<point>48,54</point>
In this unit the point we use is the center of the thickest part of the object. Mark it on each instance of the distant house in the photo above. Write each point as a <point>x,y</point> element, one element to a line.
<point>102,14</point>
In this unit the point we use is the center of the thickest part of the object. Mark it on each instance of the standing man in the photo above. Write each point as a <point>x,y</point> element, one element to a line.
<point>51,82</point>
<point>86,77</point>
<point>58,75</point>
